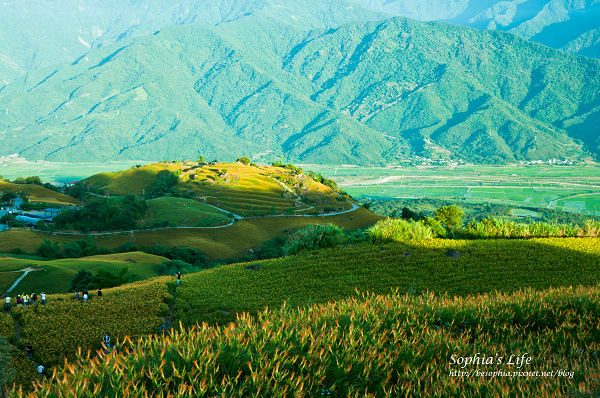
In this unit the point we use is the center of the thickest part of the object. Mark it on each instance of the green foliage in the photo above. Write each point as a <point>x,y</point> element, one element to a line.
<point>80,248</point>
<point>104,214</point>
<point>186,254</point>
<point>245,160</point>
<point>399,230</point>
<point>85,280</point>
<point>437,230</point>
<point>82,280</point>
<point>166,180</point>
<point>450,216</point>
<point>48,249</point>
<point>7,374</point>
<point>314,237</point>
<point>8,196</point>
<point>17,250</point>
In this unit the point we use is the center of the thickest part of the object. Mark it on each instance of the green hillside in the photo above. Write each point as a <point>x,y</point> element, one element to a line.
<point>60,32</point>
<point>493,268</point>
<point>182,212</point>
<point>365,93</point>
<point>55,276</point>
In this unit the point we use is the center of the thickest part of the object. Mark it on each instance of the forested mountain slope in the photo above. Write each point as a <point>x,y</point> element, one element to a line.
<point>571,26</point>
<point>362,93</point>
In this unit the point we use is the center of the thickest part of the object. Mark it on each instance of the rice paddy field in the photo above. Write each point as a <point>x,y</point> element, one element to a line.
<point>569,188</point>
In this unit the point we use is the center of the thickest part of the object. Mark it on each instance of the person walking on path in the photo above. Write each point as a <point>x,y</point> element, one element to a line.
<point>19,302</point>
<point>25,299</point>
<point>40,372</point>
<point>78,296</point>
<point>44,299</point>
<point>7,304</point>
<point>29,350</point>
<point>85,297</point>
<point>99,293</point>
<point>33,298</point>
<point>178,274</point>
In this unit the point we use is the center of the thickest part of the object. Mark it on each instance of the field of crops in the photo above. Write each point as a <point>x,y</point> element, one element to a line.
<point>372,346</point>
<point>482,266</point>
<point>568,188</point>
<point>228,242</point>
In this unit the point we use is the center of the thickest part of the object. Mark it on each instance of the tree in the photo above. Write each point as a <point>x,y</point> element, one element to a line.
<point>245,160</point>
<point>82,280</point>
<point>8,196</point>
<point>201,159</point>
<point>7,374</point>
<point>450,216</point>
<point>48,249</point>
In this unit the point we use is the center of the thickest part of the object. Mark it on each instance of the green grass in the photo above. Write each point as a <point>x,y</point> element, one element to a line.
<point>36,193</point>
<point>568,188</point>
<point>55,276</point>
<point>182,213</point>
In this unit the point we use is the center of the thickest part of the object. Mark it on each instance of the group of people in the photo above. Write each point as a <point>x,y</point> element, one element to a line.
<point>84,295</point>
<point>24,300</point>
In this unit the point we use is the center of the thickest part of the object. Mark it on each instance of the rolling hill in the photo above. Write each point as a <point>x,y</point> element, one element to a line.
<point>571,26</point>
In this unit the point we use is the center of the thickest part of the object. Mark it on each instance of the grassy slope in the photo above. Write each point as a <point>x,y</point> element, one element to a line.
<point>38,193</point>
<point>228,242</point>
<point>486,266</point>
<point>242,190</point>
<point>55,276</point>
<point>216,295</point>
<point>182,213</point>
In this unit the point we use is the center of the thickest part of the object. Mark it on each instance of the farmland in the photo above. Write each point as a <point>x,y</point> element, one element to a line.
<point>568,188</point>
<point>486,280</point>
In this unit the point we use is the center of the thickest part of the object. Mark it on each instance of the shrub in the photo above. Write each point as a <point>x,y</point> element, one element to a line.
<point>399,230</point>
<point>245,160</point>
<point>450,216</point>
<point>17,250</point>
<point>315,237</point>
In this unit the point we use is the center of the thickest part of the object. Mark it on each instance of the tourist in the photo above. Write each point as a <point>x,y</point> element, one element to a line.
<point>178,274</point>
<point>99,293</point>
<point>25,299</point>
<point>106,340</point>
<point>29,350</point>
<point>19,302</point>
<point>85,296</point>
<point>33,298</point>
<point>7,304</point>
<point>44,299</point>
<point>40,372</point>
<point>78,296</point>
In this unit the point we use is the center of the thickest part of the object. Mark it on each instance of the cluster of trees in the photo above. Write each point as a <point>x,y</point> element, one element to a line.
<point>85,280</point>
<point>165,184</point>
<point>103,214</point>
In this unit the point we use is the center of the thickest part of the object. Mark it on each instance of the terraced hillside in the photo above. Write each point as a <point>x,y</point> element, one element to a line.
<point>483,267</point>
<point>233,187</point>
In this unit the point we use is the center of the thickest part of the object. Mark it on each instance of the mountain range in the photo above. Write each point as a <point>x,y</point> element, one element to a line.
<point>571,26</point>
<point>319,82</point>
